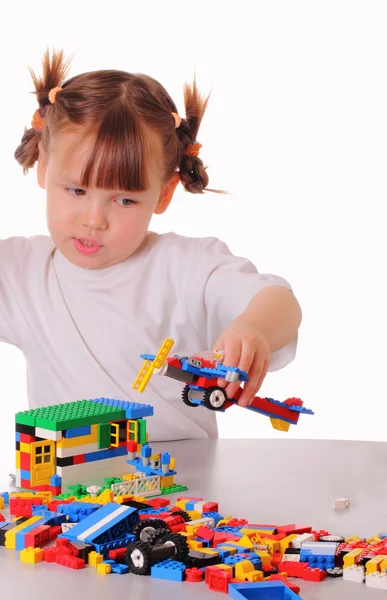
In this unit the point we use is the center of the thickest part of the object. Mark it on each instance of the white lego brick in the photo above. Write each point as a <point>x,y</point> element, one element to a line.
<point>47,434</point>
<point>354,573</point>
<point>377,580</point>
<point>94,473</point>
<point>341,503</point>
<point>67,526</point>
<point>291,557</point>
<point>199,506</point>
<point>205,521</point>
<point>321,548</point>
<point>77,450</point>
<point>17,478</point>
<point>300,539</point>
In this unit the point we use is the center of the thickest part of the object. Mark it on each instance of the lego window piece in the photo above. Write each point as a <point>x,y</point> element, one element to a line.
<point>114,435</point>
<point>132,431</point>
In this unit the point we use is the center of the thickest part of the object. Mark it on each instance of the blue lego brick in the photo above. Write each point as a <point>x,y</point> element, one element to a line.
<point>382,535</point>
<point>252,557</point>
<point>49,517</point>
<point>25,475</point>
<point>104,549</point>
<point>205,543</point>
<point>102,454</point>
<point>5,523</point>
<point>223,555</point>
<point>233,530</point>
<point>5,495</point>
<point>261,590</point>
<point>20,536</point>
<point>76,511</point>
<point>169,569</point>
<point>214,515</point>
<point>190,505</point>
<point>77,431</point>
<point>133,410</point>
<point>17,436</point>
<point>153,511</point>
<point>137,463</point>
<point>321,561</point>
<point>111,522</point>
<point>120,569</point>
<point>55,480</point>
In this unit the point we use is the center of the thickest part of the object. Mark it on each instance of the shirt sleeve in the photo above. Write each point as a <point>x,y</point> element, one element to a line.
<point>220,286</point>
<point>11,251</point>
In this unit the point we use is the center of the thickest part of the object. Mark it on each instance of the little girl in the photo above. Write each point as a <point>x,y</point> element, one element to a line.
<point>84,303</point>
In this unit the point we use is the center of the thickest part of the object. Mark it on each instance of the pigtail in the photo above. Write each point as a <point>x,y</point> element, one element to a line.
<point>54,72</point>
<point>193,174</point>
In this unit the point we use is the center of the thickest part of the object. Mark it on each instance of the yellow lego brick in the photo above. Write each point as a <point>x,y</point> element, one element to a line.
<point>245,541</point>
<point>279,424</point>
<point>129,477</point>
<point>273,545</point>
<point>383,566</point>
<point>105,497</point>
<point>18,467</point>
<point>373,565</point>
<point>229,548</point>
<point>24,447</point>
<point>261,532</point>
<point>352,557</point>
<point>172,463</point>
<point>94,558</point>
<point>104,568</point>
<point>265,557</point>
<point>10,536</point>
<point>181,504</point>
<point>209,551</point>
<point>227,568</point>
<point>193,544</point>
<point>352,539</point>
<point>285,542</point>
<point>91,438</point>
<point>195,515</point>
<point>167,481</point>
<point>374,539</point>
<point>31,555</point>
<point>45,496</point>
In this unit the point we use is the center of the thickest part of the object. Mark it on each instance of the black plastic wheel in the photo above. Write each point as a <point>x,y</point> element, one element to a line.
<point>155,537</point>
<point>138,557</point>
<point>180,543</point>
<point>185,396</point>
<point>182,513</point>
<point>332,538</point>
<point>147,526</point>
<point>214,398</point>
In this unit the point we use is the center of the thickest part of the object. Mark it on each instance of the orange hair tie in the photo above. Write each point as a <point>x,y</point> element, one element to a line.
<point>193,149</point>
<point>52,94</point>
<point>37,121</point>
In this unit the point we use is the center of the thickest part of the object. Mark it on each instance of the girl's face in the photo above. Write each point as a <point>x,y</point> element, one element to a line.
<point>93,227</point>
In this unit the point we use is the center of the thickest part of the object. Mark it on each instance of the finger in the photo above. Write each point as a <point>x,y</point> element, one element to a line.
<point>251,386</point>
<point>254,391</point>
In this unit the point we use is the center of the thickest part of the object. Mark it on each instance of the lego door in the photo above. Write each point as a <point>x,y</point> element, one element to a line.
<point>42,462</point>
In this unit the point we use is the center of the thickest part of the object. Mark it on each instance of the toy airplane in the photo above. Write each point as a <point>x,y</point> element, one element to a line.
<point>200,373</point>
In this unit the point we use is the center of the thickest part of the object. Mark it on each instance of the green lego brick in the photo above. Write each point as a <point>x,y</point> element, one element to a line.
<point>103,435</point>
<point>141,431</point>
<point>170,490</point>
<point>26,417</point>
<point>72,414</point>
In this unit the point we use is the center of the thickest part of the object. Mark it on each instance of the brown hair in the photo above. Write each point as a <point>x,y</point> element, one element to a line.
<point>117,108</point>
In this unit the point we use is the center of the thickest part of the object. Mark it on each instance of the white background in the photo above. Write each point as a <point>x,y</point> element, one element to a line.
<point>296,130</point>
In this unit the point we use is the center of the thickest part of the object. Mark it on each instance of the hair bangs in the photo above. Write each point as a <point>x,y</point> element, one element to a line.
<point>117,160</point>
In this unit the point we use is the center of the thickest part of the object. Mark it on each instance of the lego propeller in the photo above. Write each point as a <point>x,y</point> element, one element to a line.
<point>150,365</point>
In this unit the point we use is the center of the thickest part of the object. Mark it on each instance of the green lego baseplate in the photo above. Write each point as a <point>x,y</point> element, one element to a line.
<point>70,415</point>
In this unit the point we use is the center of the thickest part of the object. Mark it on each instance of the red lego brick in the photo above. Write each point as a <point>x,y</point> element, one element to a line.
<point>2,518</point>
<point>53,505</point>
<point>55,531</point>
<point>22,507</point>
<point>309,574</point>
<point>25,461</point>
<point>25,484</point>
<point>79,459</point>
<point>70,561</point>
<point>210,507</point>
<point>194,575</point>
<point>26,438</point>
<point>158,502</point>
<point>205,533</point>
<point>293,569</point>
<point>289,529</point>
<point>117,554</point>
<point>289,584</point>
<point>217,579</point>
<point>38,537</point>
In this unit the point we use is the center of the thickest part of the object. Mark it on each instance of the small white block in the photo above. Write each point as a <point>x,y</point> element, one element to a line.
<point>341,503</point>
<point>354,573</point>
<point>377,580</point>
<point>300,539</point>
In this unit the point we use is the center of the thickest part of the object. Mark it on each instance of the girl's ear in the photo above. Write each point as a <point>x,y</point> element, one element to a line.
<point>167,194</point>
<point>41,168</point>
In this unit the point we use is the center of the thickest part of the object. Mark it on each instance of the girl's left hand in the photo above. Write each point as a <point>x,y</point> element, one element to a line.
<point>248,349</point>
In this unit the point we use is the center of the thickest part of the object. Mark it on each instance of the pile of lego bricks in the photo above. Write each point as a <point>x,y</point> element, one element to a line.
<point>189,541</point>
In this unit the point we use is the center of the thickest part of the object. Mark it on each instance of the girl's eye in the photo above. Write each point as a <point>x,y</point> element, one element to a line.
<point>125,201</point>
<point>75,191</point>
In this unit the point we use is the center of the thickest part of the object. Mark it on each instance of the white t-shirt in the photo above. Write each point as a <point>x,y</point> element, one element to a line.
<point>82,331</point>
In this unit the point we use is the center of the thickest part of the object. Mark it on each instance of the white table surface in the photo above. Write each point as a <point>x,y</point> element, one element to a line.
<point>264,481</point>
